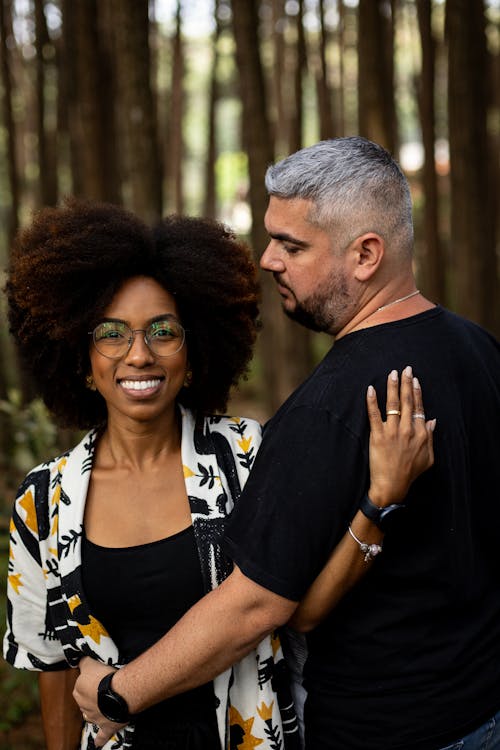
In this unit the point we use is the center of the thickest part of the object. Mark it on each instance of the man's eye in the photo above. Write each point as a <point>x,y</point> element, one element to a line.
<point>292,249</point>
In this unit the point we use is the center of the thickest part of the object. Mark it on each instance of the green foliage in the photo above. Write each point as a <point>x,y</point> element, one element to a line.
<point>32,433</point>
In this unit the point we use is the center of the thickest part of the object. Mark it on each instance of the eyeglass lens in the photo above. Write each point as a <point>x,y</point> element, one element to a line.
<point>113,338</point>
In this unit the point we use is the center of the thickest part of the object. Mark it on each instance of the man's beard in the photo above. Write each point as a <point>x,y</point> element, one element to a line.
<point>325,309</point>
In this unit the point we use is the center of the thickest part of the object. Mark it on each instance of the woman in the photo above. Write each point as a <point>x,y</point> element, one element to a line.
<point>137,336</point>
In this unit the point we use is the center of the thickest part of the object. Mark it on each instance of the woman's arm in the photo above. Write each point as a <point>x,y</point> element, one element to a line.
<point>61,717</point>
<point>400,449</point>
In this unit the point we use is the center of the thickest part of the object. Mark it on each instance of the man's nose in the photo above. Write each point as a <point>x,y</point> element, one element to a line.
<point>271,259</point>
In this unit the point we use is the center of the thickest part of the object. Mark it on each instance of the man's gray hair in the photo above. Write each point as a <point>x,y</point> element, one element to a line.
<point>355,187</point>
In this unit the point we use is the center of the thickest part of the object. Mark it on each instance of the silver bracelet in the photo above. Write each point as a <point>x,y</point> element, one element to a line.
<point>370,551</point>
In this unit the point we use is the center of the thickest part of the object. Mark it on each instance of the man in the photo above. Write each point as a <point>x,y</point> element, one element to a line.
<point>410,658</point>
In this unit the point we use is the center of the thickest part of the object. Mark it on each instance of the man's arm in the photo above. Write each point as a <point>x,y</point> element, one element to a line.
<point>61,717</point>
<point>214,634</point>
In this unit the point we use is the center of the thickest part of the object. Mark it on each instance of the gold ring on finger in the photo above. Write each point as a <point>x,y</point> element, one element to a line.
<point>394,413</point>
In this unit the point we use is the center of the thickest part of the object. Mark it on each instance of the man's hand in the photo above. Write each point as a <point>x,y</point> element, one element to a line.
<point>401,448</point>
<point>85,694</point>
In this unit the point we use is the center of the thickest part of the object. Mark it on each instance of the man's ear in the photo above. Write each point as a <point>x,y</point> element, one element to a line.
<point>369,250</point>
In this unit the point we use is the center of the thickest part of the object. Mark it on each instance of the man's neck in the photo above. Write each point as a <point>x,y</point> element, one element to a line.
<point>384,308</point>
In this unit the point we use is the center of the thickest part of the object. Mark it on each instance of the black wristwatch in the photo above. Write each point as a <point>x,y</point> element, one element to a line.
<point>381,517</point>
<point>110,703</point>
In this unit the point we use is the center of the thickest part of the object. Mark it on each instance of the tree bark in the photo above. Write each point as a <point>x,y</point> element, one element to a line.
<point>432,259</point>
<point>472,205</point>
<point>10,129</point>
<point>376,108</point>
<point>282,372</point>
<point>326,127</point>
<point>87,86</point>
<point>47,164</point>
<point>137,111</point>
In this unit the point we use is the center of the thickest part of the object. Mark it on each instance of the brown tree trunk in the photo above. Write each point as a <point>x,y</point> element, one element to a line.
<point>280,75</point>
<point>6,33</point>
<point>210,203</point>
<point>296,116</point>
<point>175,144</point>
<point>143,183</point>
<point>472,219</point>
<point>86,80</point>
<point>47,165</point>
<point>376,108</point>
<point>432,259</point>
<point>339,110</point>
<point>277,363</point>
<point>326,127</point>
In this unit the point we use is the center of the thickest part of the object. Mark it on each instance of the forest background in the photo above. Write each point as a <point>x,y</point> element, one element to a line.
<point>179,107</point>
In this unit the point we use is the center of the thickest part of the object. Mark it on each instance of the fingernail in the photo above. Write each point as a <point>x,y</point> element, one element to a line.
<point>416,384</point>
<point>432,425</point>
<point>371,390</point>
<point>408,371</point>
<point>394,376</point>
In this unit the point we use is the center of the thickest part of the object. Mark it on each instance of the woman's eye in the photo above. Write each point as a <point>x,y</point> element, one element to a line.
<point>108,332</point>
<point>162,331</point>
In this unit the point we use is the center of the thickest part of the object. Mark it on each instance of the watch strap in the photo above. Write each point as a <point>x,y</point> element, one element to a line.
<point>375,513</point>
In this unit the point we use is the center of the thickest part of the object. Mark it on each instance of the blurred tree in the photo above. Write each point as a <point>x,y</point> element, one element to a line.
<point>6,34</point>
<point>46,134</point>
<point>136,108</point>
<point>88,92</point>
<point>376,106</point>
<point>326,126</point>
<point>175,139</point>
<point>472,203</point>
<point>210,201</point>
<point>431,276</point>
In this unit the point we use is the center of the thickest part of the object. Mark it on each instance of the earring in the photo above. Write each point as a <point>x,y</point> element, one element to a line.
<point>188,378</point>
<point>89,383</point>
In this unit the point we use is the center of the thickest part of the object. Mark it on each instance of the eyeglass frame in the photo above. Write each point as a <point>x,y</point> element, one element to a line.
<point>133,331</point>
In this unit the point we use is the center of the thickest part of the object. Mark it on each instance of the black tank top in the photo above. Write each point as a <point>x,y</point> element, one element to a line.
<point>138,593</point>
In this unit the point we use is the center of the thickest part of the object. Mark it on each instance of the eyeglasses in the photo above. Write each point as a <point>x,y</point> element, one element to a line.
<point>113,338</point>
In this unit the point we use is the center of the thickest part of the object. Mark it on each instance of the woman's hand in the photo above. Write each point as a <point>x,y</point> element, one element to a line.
<point>85,694</point>
<point>401,448</point>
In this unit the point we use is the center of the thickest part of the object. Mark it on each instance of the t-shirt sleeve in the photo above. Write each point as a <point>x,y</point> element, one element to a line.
<point>303,490</point>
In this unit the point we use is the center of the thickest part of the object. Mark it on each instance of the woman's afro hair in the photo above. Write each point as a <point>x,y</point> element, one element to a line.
<point>68,264</point>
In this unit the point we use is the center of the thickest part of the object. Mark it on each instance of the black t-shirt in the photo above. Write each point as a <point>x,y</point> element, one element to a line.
<point>138,593</point>
<point>411,657</point>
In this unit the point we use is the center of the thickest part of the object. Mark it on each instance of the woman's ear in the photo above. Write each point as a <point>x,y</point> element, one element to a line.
<point>369,248</point>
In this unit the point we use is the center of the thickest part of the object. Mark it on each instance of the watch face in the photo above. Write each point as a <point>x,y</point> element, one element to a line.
<point>389,515</point>
<point>111,705</point>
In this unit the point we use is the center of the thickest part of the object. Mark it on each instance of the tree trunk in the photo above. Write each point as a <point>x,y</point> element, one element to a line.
<point>376,108</point>
<point>472,219</point>
<point>210,203</point>
<point>277,363</point>
<point>10,130</point>
<point>143,183</point>
<point>47,165</point>
<point>326,127</point>
<point>432,258</point>
<point>87,87</point>
<point>296,116</point>
<point>175,139</point>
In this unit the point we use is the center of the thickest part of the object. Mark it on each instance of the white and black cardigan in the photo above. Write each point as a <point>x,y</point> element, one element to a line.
<point>49,624</point>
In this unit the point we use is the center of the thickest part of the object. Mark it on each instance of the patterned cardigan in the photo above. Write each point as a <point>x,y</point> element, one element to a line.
<point>49,623</point>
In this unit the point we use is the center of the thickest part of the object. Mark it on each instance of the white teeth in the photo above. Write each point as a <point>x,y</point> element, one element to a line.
<point>139,385</point>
